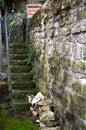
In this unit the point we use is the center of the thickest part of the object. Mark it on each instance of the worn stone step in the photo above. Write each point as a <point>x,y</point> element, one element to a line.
<point>18,45</point>
<point>20,69</point>
<point>17,62</point>
<point>22,85</point>
<point>17,56</point>
<point>20,101</point>
<point>20,106</point>
<point>18,51</point>
<point>19,78</point>
<point>23,94</point>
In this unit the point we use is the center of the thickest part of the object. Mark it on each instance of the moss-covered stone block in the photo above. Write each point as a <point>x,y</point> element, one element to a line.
<point>79,88</point>
<point>42,86</point>
<point>81,13</point>
<point>79,66</point>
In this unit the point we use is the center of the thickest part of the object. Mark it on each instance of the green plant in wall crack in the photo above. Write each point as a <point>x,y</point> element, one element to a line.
<point>28,59</point>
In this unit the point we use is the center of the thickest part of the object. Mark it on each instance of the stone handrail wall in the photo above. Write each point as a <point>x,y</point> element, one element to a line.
<point>58,35</point>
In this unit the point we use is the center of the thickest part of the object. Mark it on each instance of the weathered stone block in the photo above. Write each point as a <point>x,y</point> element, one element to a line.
<point>84,52</point>
<point>77,52</point>
<point>79,27</point>
<point>81,38</point>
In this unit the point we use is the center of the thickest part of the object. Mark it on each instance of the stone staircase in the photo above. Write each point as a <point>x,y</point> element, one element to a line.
<point>22,83</point>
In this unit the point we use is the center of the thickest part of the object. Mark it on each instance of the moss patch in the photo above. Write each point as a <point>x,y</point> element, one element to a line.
<point>42,86</point>
<point>14,123</point>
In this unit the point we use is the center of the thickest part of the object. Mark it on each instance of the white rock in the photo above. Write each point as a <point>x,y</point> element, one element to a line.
<point>44,102</point>
<point>37,98</point>
<point>31,108</point>
<point>30,98</point>
<point>37,121</point>
<point>42,124</point>
<point>34,113</point>
<point>46,116</point>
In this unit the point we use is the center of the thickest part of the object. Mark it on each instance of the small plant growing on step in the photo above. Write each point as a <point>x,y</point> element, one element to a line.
<point>28,59</point>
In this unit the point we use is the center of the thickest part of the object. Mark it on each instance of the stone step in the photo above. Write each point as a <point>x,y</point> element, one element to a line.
<point>19,78</point>
<point>20,69</point>
<point>22,85</point>
<point>18,45</point>
<point>23,94</point>
<point>18,51</point>
<point>17,56</point>
<point>17,63</point>
<point>20,105</point>
<point>20,102</point>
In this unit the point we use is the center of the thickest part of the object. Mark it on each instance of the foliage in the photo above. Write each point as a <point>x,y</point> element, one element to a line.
<point>14,20</point>
<point>3,106</point>
<point>17,26</point>
<point>8,98</point>
<point>9,3</point>
<point>11,123</point>
<point>2,4</point>
<point>28,59</point>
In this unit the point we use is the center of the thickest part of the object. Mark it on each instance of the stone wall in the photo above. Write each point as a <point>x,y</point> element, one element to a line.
<point>58,34</point>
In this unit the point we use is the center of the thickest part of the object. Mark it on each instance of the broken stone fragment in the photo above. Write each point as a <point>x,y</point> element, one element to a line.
<point>46,116</point>
<point>45,108</point>
<point>36,110</point>
<point>30,98</point>
<point>51,128</point>
<point>37,98</point>
<point>42,124</point>
<point>52,123</point>
<point>37,121</point>
<point>35,113</point>
<point>44,102</point>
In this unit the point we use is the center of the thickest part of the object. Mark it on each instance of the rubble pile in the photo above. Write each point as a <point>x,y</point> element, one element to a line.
<point>41,108</point>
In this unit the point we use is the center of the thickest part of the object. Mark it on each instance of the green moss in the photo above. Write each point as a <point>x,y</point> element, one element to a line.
<point>81,13</point>
<point>76,86</point>
<point>79,88</point>
<point>23,85</point>
<point>84,115</point>
<point>42,86</point>
<point>21,107</point>
<point>12,123</point>
<point>59,72</point>
<point>83,90</point>
<point>79,66</point>
<point>37,49</point>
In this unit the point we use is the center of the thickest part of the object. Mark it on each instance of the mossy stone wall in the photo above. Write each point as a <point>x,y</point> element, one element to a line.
<point>58,35</point>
